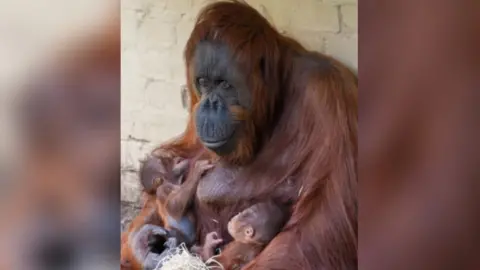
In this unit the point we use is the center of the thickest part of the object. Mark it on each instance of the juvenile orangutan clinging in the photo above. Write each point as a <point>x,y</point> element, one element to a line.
<point>272,114</point>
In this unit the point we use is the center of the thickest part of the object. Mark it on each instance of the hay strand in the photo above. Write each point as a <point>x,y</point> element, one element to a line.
<point>181,259</point>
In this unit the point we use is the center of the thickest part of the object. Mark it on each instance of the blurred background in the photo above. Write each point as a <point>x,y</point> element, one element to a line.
<point>59,129</point>
<point>154,33</point>
<point>419,154</point>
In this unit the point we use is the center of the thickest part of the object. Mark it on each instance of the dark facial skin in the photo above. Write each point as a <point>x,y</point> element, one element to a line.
<point>220,85</point>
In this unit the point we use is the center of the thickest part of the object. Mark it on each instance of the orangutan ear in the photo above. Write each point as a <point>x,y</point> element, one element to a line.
<point>249,232</point>
<point>185,96</point>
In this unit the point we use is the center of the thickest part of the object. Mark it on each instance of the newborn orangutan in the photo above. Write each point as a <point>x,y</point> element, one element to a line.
<point>177,203</point>
<point>151,242</point>
<point>174,194</point>
<point>156,171</point>
<point>251,229</point>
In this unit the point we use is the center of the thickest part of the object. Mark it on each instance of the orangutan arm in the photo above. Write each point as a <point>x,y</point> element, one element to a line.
<point>180,199</point>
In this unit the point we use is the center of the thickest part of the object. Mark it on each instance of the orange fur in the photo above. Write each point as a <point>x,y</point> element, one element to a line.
<point>303,124</point>
<point>149,214</point>
<point>237,254</point>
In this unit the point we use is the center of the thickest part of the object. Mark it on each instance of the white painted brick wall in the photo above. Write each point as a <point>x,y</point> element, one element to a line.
<point>154,33</point>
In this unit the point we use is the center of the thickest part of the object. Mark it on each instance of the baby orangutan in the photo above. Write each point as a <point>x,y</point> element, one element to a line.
<point>151,242</point>
<point>174,193</point>
<point>178,201</point>
<point>155,171</point>
<point>251,229</point>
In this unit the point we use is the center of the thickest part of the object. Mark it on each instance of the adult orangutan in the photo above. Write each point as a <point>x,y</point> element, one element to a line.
<point>272,114</point>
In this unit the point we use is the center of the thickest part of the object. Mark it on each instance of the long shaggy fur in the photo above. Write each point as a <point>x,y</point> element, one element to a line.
<point>303,124</point>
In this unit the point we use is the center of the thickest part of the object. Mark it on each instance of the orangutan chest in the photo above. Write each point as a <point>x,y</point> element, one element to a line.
<point>223,187</point>
<point>220,185</point>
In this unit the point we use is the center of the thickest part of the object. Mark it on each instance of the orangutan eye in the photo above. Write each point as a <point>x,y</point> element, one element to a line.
<point>225,85</point>
<point>202,82</point>
<point>249,231</point>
